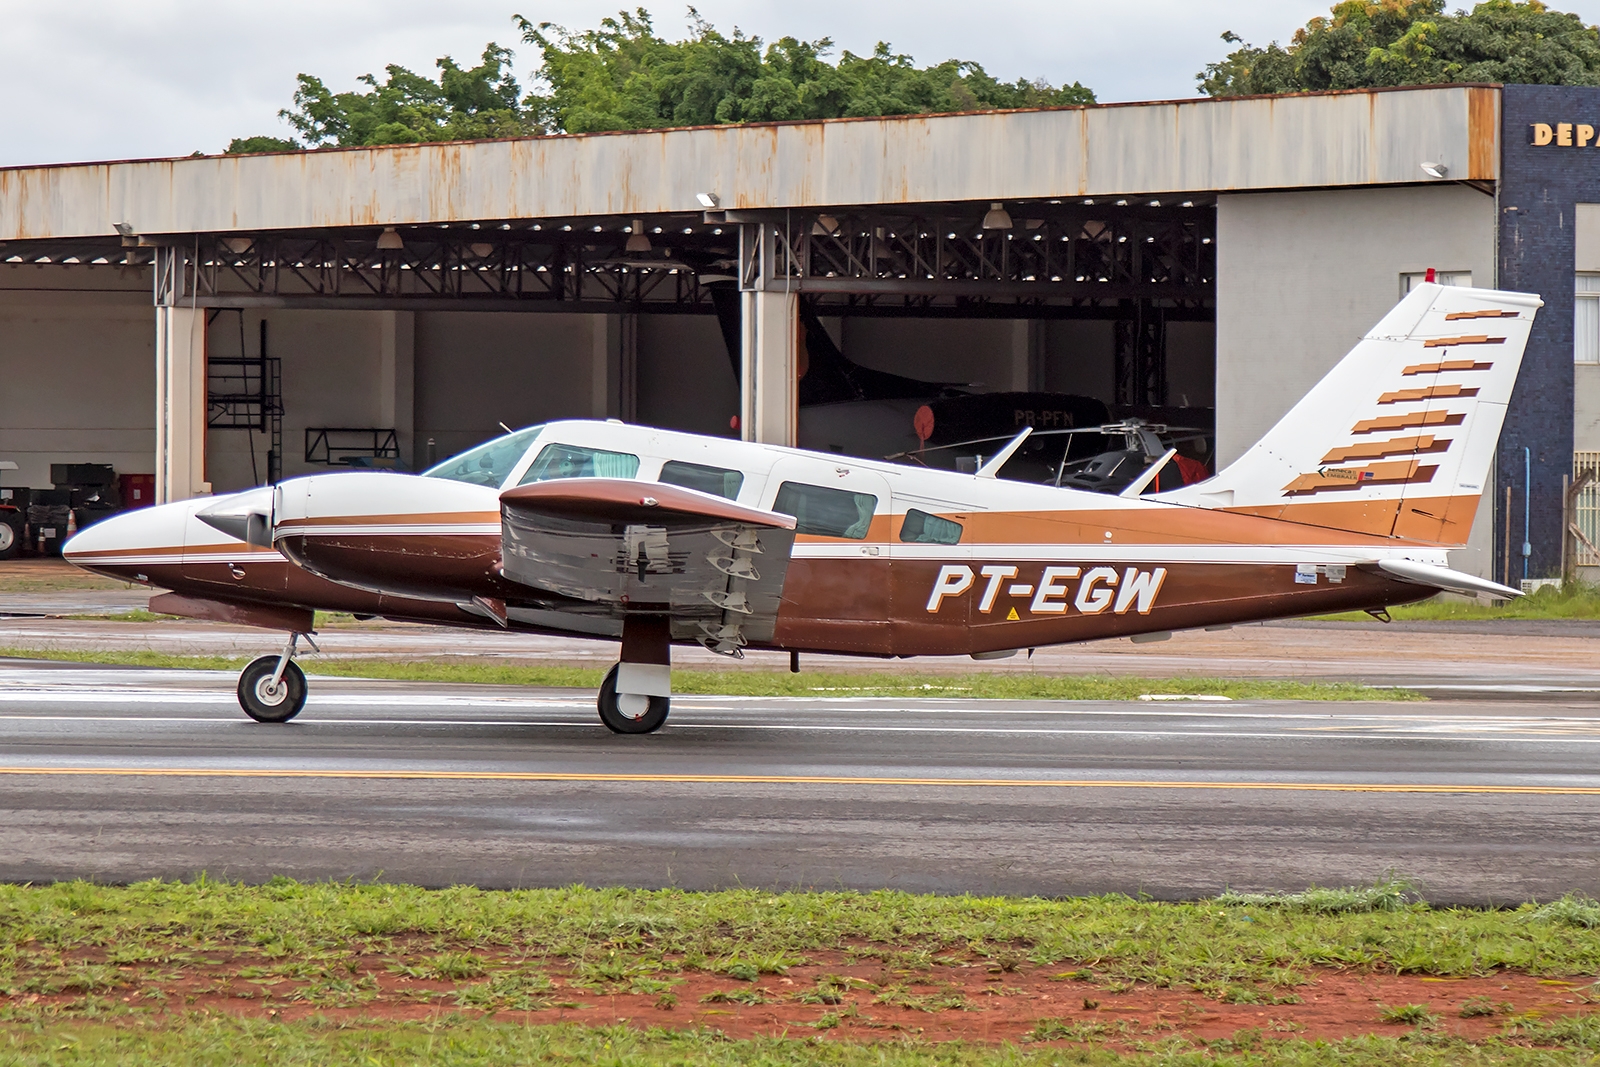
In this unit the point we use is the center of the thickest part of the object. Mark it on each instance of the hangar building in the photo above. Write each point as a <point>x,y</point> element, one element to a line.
<point>225,320</point>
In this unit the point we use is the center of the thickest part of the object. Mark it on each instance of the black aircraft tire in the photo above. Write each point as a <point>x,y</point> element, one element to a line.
<point>257,698</point>
<point>619,721</point>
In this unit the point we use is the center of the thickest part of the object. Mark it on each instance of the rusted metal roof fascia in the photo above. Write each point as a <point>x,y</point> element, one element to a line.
<point>1256,143</point>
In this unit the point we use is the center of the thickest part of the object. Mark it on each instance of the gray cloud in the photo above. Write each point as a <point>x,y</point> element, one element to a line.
<point>107,79</point>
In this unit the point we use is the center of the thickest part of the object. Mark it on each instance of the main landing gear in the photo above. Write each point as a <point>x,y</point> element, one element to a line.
<point>635,697</point>
<point>273,688</point>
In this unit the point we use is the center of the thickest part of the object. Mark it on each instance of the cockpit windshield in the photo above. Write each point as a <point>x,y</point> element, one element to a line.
<point>489,464</point>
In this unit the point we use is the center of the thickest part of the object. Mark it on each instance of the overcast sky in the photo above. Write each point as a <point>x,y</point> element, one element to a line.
<point>116,79</point>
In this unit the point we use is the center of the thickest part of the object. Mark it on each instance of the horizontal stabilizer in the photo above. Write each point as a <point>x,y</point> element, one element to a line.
<point>1409,570</point>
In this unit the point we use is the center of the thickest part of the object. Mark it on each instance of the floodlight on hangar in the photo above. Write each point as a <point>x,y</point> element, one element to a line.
<point>996,218</point>
<point>1435,170</point>
<point>708,201</point>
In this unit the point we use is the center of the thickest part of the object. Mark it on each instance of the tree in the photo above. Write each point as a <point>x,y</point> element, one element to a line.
<point>1368,43</point>
<point>464,104</point>
<point>240,145</point>
<point>623,76</point>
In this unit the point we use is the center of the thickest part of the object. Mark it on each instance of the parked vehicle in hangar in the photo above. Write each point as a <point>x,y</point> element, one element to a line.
<point>1352,501</point>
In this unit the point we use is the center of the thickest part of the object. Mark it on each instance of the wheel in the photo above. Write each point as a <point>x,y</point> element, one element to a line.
<point>629,713</point>
<point>261,701</point>
<point>10,535</point>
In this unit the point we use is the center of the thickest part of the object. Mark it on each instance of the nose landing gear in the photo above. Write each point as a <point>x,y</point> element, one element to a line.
<point>273,688</point>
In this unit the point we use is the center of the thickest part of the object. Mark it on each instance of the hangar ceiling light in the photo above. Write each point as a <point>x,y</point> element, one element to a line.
<point>996,218</point>
<point>638,242</point>
<point>389,240</point>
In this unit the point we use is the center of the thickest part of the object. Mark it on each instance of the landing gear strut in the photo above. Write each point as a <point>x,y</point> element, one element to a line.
<point>273,688</point>
<point>635,697</point>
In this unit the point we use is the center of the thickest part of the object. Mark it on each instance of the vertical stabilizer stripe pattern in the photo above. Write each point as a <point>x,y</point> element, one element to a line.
<point>1325,446</point>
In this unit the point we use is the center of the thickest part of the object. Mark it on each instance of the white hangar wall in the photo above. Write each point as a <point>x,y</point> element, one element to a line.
<point>1302,276</point>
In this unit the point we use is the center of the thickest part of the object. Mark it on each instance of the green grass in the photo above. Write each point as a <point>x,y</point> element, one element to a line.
<point>618,936</point>
<point>984,685</point>
<point>1576,600</point>
<point>135,615</point>
<point>311,943</point>
<point>459,1042</point>
<point>1408,1014</point>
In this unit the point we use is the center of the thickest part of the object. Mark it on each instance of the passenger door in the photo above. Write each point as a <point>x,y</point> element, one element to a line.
<point>837,594</point>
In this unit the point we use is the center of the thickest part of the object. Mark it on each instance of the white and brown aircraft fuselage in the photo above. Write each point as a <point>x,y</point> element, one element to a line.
<point>657,538</point>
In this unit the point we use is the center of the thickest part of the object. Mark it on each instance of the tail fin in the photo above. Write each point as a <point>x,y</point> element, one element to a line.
<point>1399,437</point>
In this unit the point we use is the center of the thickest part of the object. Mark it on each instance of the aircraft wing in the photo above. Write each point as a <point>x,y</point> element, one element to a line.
<point>716,568</point>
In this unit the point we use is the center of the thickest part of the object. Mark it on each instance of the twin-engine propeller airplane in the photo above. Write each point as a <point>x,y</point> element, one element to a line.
<point>658,538</point>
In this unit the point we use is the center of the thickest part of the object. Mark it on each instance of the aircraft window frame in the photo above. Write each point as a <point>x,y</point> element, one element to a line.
<point>523,439</point>
<point>592,454</point>
<point>923,529</point>
<point>855,531</point>
<point>737,478</point>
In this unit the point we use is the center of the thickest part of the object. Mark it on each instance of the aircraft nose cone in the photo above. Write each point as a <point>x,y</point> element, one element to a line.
<point>130,537</point>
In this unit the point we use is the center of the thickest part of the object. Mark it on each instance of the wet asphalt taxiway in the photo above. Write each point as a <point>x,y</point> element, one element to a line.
<point>119,774</point>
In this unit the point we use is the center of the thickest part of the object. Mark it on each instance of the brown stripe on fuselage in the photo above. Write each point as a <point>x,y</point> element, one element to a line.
<point>1399,446</point>
<point>1404,396</point>
<point>1444,520</point>
<point>175,550</point>
<point>435,518</point>
<point>880,529</point>
<point>1457,315</point>
<point>1405,422</point>
<point>1160,526</point>
<point>1453,342</point>
<point>1446,365</point>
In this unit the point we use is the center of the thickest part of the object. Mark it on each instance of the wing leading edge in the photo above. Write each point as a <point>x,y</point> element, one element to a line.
<point>714,568</point>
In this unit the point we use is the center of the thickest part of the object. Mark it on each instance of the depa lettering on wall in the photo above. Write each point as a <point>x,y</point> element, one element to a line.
<point>1561,134</point>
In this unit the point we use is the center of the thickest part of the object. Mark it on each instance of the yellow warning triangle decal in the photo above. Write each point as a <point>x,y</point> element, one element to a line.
<point>1013,615</point>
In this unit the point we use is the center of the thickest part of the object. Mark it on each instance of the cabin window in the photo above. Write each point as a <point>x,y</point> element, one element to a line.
<point>829,512</point>
<point>488,464</point>
<point>713,480</point>
<point>920,528</point>
<point>574,461</point>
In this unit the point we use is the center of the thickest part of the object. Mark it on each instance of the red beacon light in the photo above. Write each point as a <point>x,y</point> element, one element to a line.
<point>1431,276</point>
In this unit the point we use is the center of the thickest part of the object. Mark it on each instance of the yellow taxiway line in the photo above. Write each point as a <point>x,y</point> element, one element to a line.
<point>797,779</point>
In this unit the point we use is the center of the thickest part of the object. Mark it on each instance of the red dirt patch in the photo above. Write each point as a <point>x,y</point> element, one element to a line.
<point>845,997</point>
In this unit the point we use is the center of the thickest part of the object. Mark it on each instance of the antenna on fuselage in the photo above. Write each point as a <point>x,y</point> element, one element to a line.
<point>506,428</point>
